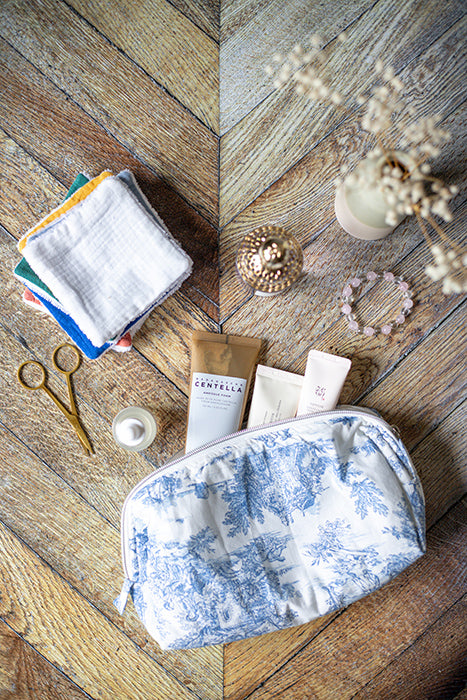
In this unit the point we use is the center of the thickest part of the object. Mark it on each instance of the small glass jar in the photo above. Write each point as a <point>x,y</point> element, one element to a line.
<point>134,428</point>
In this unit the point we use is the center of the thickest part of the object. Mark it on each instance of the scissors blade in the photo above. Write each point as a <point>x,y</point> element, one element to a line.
<point>71,395</point>
<point>80,432</point>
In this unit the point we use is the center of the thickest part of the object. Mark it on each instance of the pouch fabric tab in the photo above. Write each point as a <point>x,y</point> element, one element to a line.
<point>270,528</point>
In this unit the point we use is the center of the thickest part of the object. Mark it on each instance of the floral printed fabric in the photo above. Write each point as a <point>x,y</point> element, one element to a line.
<point>271,528</point>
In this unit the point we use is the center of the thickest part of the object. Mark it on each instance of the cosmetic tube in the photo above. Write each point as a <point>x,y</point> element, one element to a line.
<point>221,371</point>
<point>276,394</point>
<point>324,378</point>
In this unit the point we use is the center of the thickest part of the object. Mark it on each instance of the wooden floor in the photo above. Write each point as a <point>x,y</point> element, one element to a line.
<point>175,91</point>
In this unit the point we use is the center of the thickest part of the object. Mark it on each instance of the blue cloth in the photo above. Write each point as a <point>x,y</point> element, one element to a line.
<point>69,326</point>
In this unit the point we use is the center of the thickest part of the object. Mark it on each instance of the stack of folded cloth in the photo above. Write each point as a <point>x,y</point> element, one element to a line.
<point>101,262</point>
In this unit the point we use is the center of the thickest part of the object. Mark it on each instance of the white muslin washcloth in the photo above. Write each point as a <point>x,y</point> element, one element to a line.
<point>108,259</point>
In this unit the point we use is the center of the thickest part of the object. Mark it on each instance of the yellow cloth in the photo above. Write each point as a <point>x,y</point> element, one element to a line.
<point>78,196</point>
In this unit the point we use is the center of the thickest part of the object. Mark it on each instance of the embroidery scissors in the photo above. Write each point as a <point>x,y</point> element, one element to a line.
<point>71,414</point>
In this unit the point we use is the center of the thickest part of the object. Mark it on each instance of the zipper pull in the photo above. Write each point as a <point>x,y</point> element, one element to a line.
<point>120,602</point>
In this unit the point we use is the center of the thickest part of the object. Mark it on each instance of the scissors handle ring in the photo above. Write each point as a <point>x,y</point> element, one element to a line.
<point>76,353</point>
<point>32,387</point>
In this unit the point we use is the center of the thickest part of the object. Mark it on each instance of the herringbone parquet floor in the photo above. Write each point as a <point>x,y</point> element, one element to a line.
<point>175,90</point>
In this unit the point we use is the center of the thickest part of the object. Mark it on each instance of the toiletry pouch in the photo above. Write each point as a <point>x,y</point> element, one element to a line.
<point>270,527</point>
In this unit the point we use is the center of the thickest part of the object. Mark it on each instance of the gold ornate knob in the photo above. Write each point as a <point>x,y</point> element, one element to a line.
<point>269,260</point>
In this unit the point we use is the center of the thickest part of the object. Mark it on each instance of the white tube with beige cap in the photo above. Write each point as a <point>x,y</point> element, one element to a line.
<point>324,378</point>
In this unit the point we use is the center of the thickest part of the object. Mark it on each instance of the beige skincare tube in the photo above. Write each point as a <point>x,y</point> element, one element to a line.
<point>276,394</point>
<point>221,371</point>
<point>324,378</point>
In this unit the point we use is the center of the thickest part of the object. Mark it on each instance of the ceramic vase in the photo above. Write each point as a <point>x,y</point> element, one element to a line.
<point>361,209</point>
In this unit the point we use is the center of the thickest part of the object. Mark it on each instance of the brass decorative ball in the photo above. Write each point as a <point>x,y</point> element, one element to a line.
<point>269,260</point>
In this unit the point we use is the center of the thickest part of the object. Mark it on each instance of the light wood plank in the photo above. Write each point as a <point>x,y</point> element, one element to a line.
<point>433,368</point>
<point>38,118</point>
<point>113,91</point>
<point>237,13</point>
<point>433,667</point>
<point>21,174</point>
<point>251,33</point>
<point>84,548</point>
<point>373,631</point>
<point>204,13</point>
<point>25,675</point>
<point>264,145</point>
<point>70,633</point>
<point>440,462</point>
<point>167,45</point>
<point>165,338</point>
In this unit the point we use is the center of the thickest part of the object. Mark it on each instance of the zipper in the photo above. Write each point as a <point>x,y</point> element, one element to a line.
<point>120,602</point>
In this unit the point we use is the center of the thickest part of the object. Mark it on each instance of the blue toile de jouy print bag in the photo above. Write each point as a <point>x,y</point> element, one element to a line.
<point>270,527</point>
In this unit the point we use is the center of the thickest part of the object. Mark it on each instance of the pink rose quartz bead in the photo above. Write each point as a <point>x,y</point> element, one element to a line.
<point>356,282</point>
<point>372,276</point>
<point>388,276</point>
<point>347,291</point>
<point>408,304</point>
<point>368,331</point>
<point>353,325</point>
<point>400,319</point>
<point>404,287</point>
<point>386,329</point>
<point>346,309</point>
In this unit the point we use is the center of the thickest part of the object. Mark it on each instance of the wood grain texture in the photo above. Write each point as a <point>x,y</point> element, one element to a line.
<point>114,92</point>
<point>302,200</point>
<point>253,32</point>
<point>264,144</point>
<point>204,13</point>
<point>440,462</point>
<point>86,86</point>
<point>433,667</point>
<point>317,321</point>
<point>25,675</point>
<point>436,396</point>
<point>185,62</point>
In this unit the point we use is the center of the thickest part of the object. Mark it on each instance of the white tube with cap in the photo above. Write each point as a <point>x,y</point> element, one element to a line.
<point>324,378</point>
<point>275,395</point>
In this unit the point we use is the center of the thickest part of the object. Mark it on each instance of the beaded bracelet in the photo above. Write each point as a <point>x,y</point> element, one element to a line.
<point>348,297</point>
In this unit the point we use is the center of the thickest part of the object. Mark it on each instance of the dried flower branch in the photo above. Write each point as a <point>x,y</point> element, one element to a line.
<point>408,187</point>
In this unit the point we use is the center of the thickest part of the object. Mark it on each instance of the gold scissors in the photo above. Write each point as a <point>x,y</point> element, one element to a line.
<point>72,415</point>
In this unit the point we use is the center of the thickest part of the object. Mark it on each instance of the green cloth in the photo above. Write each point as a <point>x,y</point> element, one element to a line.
<point>23,270</point>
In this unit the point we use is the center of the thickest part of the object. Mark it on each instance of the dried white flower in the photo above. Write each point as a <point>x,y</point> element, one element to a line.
<point>379,66</point>
<point>316,41</point>
<point>407,190</point>
<point>449,266</point>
